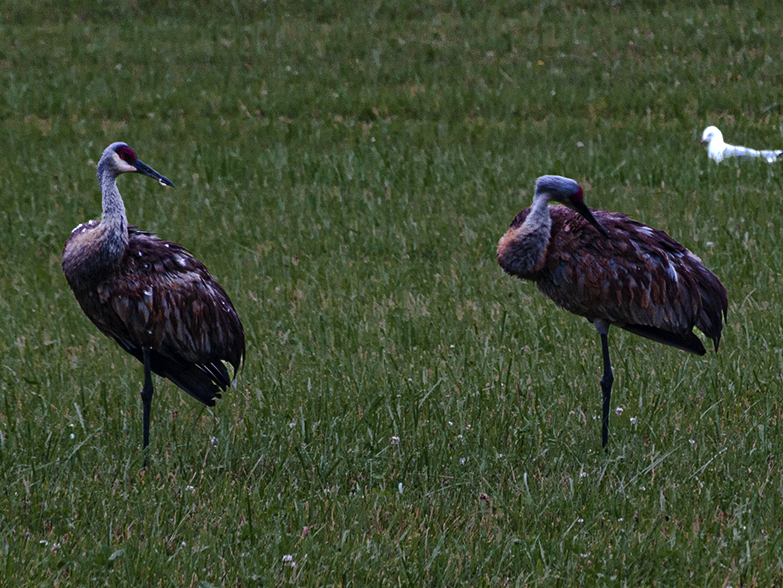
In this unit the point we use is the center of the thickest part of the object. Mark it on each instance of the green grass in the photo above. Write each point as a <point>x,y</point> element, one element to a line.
<point>346,170</point>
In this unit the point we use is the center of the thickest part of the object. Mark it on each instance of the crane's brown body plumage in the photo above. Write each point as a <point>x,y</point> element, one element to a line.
<point>613,270</point>
<point>640,279</point>
<point>151,296</point>
<point>161,297</point>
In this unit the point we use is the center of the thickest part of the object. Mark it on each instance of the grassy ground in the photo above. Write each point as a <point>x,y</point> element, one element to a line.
<point>407,415</point>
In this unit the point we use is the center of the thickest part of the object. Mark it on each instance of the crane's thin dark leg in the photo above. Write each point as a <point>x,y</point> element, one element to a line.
<point>606,388</point>
<point>146,399</point>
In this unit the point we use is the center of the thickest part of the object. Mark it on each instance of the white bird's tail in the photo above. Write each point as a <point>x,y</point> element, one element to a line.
<point>736,151</point>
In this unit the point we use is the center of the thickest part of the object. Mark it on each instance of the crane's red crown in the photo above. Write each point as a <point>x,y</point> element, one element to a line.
<point>578,196</point>
<point>564,190</point>
<point>126,153</point>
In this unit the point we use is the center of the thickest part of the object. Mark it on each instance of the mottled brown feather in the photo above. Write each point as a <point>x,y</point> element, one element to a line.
<point>161,297</point>
<point>639,278</point>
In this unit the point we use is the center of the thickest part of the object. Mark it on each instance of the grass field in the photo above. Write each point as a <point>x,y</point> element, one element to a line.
<point>407,415</point>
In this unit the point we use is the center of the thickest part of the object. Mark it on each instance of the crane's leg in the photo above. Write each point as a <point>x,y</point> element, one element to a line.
<point>606,380</point>
<point>146,399</point>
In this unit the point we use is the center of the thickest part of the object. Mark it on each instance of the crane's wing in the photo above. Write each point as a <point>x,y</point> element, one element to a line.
<point>639,279</point>
<point>166,300</point>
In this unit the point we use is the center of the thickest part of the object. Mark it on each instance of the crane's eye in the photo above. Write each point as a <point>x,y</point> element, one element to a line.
<point>126,154</point>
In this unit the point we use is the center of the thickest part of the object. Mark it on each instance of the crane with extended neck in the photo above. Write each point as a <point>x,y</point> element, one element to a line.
<point>151,296</point>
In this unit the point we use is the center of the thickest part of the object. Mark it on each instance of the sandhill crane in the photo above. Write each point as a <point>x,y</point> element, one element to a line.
<point>717,149</point>
<point>151,296</point>
<point>613,271</point>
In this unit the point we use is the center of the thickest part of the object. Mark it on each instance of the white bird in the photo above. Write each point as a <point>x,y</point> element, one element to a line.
<point>718,149</point>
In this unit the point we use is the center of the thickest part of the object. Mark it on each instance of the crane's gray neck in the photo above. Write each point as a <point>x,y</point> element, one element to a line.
<point>114,221</point>
<point>521,250</point>
<point>538,220</point>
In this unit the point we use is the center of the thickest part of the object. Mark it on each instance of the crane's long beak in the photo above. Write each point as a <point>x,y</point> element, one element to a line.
<point>143,168</point>
<point>704,142</point>
<point>582,209</point>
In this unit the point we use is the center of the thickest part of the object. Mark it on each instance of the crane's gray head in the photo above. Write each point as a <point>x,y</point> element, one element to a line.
<point>568,192</point>
<point>711,134</point>
<point>118,158</point>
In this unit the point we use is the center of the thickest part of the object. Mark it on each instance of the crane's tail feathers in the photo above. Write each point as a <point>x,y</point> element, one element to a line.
<point>688,342</point>
<point>203,381</point>
<point>200,381</point>
<point>218,372</point>
<point>714,306</point>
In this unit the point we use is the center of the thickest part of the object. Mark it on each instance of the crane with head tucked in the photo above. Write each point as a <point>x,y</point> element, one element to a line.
<point>613,270</point>
<point>151,296</point>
